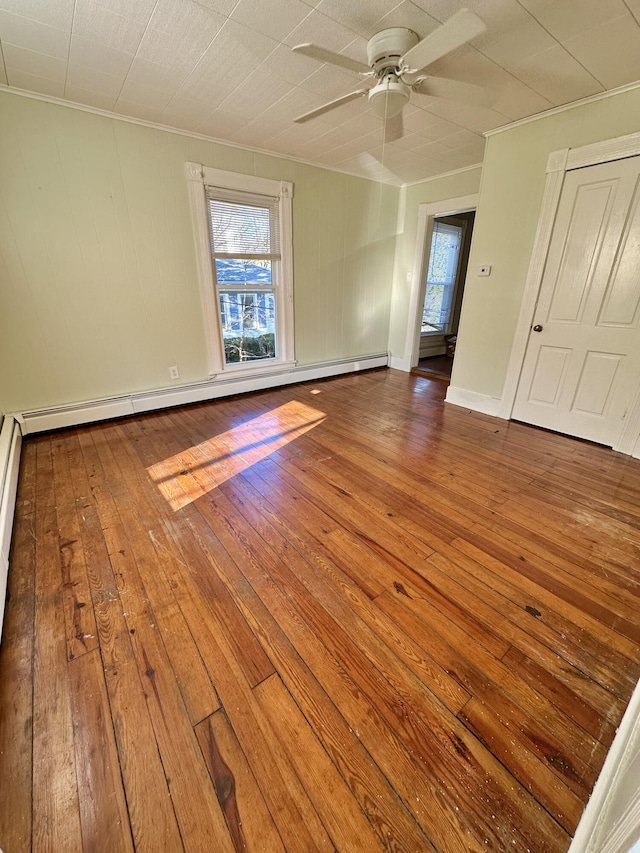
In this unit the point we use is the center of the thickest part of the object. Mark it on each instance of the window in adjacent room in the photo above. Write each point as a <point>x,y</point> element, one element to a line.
<point>444,260</point>
<point>246,271</point>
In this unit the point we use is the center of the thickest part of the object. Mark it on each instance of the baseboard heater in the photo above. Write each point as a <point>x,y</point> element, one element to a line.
<point>91,411</point>
<point>10,443</point>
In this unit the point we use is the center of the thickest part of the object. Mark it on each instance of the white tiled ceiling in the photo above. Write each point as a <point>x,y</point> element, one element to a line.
<point>224,68</point>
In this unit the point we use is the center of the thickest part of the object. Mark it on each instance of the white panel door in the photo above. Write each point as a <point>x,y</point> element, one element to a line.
<point>582,365</point>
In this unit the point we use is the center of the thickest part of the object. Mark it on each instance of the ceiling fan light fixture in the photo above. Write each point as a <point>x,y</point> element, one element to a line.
<point>388,97</point>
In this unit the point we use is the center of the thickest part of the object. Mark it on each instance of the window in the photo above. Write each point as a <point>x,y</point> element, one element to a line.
<point>444,259</point>
<point>243,233</point>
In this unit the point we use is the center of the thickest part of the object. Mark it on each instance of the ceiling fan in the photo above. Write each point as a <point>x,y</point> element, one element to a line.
<point>398,61</point>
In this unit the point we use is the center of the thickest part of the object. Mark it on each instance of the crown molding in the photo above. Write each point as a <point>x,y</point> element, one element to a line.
<point>563,108</point>
<point>191,134</point>
<point>443,175</point>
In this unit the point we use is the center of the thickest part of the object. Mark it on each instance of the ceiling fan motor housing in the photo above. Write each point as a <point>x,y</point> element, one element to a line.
<point>384,54</point>
<point>386,48</point>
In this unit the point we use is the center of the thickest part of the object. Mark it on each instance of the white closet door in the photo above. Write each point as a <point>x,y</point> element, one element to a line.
<point>582,364</point>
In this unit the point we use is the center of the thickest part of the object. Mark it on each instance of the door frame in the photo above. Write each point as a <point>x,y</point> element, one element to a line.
<point>558,164</point>
<point>427,213</point>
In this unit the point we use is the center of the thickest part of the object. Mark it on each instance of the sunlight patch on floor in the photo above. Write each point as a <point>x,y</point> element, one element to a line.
<point>198,470</point>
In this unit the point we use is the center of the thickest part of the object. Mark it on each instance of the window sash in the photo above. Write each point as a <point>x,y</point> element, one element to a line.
<point>240,245</point>
<point>249,329</point>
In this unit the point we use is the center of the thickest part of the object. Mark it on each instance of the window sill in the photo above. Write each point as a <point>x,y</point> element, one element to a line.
<point>259,368</point>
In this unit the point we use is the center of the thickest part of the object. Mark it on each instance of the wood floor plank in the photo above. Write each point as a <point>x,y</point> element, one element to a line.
<point>291,643</point>
<point>103,809</point>
<point>197,810</point>
<point>16,670</point>
<point>250,824</point>
<point>56,813</point>
<point>587,531</point>
<point>514,752</point>
<point>337,616</point>
<point>153,819</point>
<point>546,684</point>
<point>294,815</point>
<point>79,616</point>
<point>338,809</point>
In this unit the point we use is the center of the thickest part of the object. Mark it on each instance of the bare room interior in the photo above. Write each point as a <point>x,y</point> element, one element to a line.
<point>320,426</point>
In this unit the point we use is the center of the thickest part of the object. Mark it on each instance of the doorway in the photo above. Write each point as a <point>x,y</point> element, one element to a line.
<point>446,271</point>
<point>427,215</point>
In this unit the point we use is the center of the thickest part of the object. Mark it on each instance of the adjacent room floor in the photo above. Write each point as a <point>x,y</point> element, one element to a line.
<point>434,367</point>
<point>339,616</point>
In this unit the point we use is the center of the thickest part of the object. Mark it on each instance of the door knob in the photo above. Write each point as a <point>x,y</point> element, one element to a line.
<point>537,327</point>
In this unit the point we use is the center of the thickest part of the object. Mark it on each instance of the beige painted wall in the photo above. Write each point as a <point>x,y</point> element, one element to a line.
<point>98,281</point>
<point>437,189</point>
<point>513,181</point>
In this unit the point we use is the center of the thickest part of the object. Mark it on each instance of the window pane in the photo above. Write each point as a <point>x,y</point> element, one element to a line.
<point>434,316</point>
<point>241,272</point>
<point>248,326</point>
<point>443,261</point>
<point>240,228</point>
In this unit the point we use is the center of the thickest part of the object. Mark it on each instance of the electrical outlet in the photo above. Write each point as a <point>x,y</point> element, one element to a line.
<point>485,269</point>
<point>174,373</point>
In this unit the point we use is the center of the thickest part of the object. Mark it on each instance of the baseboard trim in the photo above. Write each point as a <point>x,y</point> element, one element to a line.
<point>10,443</point>
<point>592,834</point>
<point>76,414</point>
<point>472,400</point>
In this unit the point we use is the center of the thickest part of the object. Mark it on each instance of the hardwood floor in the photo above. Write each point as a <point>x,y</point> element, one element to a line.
<point>338,616</point>
<point>434,367</point>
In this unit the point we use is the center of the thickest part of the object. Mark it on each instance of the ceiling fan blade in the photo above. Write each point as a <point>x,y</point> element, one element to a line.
<point>458,30</point>
<point>456,90</point>
<point>393,128</point>
<point>323,55</point>
<point>331,105</point>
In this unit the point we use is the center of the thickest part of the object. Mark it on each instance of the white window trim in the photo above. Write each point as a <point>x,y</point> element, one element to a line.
<point>199,176</point>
